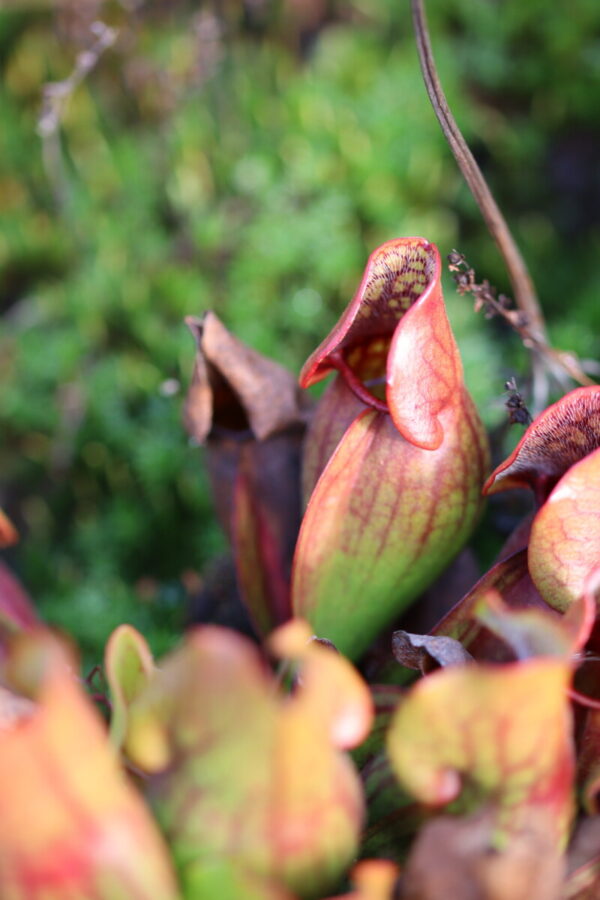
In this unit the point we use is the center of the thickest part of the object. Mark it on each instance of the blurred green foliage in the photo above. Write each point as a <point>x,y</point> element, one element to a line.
<point>246,157</point>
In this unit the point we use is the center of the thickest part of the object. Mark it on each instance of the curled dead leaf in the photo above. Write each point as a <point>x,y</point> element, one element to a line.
<point>427,652</point>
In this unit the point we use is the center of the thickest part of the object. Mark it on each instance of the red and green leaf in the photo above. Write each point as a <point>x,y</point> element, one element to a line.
<point>336,411</point>
<point>561,436</point>
<point>384,519</point>
<point>396,329</point>
<point>399,486</point>
<point>494,736</point>
<point>396,275</point>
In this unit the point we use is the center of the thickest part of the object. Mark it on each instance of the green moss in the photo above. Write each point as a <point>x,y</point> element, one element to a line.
<point>243,175</point>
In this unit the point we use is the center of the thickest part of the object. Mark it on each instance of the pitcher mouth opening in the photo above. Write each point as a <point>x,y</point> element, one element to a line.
<point>363,369</point>
<point>229,416</point>
<point>398,275</point>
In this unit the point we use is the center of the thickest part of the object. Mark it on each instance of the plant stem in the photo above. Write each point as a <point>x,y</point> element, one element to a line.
<point>524,293</point>
<point>523,290</point>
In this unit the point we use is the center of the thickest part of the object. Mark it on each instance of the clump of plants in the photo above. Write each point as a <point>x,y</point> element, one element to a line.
<point>225,770</point>
<point>339,753</point>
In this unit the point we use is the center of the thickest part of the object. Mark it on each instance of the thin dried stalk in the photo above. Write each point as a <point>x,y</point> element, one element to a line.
<point>56,98</point>
<point>546,360</point>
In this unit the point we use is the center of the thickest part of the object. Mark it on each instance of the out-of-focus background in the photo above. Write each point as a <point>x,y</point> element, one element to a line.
<point>246,156</point>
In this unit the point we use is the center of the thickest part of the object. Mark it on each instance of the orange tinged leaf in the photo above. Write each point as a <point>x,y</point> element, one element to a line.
<point>8,533</point>
<point>333,693</point>
<point>564,547</point>
<point>373,879</point>
<point>70,823</point>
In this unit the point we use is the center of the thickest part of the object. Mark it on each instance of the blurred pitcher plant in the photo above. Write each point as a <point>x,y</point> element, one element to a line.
<point>271,769</point>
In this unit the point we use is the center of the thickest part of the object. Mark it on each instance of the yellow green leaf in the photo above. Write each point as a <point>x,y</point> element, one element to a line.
<point>128,666</point>
<point>245,773</point>
<point>489,734</point>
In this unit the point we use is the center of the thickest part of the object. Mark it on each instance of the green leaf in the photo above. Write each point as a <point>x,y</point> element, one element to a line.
<point>129,667</point>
